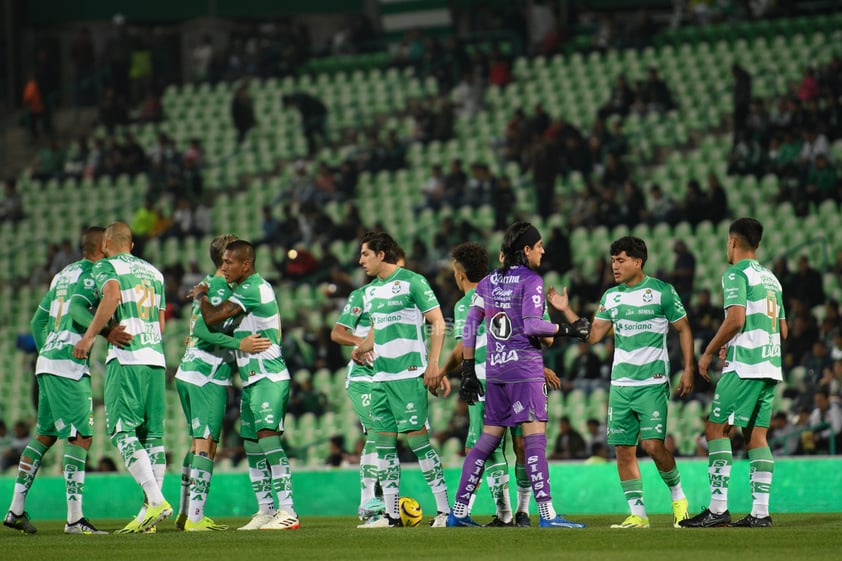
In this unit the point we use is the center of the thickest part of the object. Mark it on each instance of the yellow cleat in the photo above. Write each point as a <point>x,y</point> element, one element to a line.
<point>155,514</point>
<point>132,527</point>
<point>633,521</point>
<point>679,512</point>
<point>203,525</point>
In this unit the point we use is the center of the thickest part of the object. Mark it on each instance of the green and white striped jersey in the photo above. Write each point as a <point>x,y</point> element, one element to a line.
<point>261,315</point>
<point>397,306</point>
<point>141,300</point>
<point>202,360</point>
<point>358,321</point>
<point>754,352</point>
<point>641,315</point>
<point>56,355</point>
<point>460,314</point>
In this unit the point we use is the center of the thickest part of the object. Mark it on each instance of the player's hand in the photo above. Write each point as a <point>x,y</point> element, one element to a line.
<point>559,301</point>
<point>551,378</point>
<point>723,352</point>
<point>685,383</point>
<point>471,389</point>
<point>83,347</point>
<point>198,289</point>
<point>444,387</point>
<point>256,343</point>
<point>704,364</point>
<point>119,337</point>
<point>433,379</point>
<point>581,329</point>
<point>362,358</point>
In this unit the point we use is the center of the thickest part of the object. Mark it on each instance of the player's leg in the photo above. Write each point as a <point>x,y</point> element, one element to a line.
<point>154,409</point>
<point>182,388</point>
<point>523,487</point>
<point>651,404</point>
<point>385,430</point>
<point>472,471</point>
<point>259,474</point>
<point>623,431</point>
<point>762,464</point>
<point>496,466</point>
<point>360,395</point>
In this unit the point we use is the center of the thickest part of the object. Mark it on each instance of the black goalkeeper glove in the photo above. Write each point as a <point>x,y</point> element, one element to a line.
<point>581,329</point>
<point>471,389</point>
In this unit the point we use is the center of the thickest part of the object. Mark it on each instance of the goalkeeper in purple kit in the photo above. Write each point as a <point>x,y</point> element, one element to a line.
<point>511,300</point>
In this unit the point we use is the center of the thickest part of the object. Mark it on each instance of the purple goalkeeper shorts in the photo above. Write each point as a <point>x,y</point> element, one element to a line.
<point>507,405</point>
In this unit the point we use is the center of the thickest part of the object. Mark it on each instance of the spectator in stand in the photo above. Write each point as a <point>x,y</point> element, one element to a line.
<point>336,456</point>
<point>202,56</point>
<point>132,155</point>
<point>12,208</point>
<point>271,229</point>
<point>745,156</point>
<point>717,200</point>
<point>544,164</point>
<point>242,112</point>
<point>620,99</point>
<point>49,161</point>
<point>569,444</point>
<point>585,371</point>
<point>313,117</point>
<point>808,89</point>
<point>782,435</point>
<point>806,284</point>
<point>595,434</point>
<point>814,144</point>
<point>634,204</point>
<point>822,181</point>
<point>656,94</point>
<point>16,444</point>
<point>826,412</point>
<point>742,96</point>
<point>467,96</point>
<point>815,361</point>
<point>503,199</point>
<point>704,317</point>
<point>112,111</point>
<point>684,270</point>
<point>454,183</point>
<point>498,71</point>
<point>151,111</point>
<point>661,206</point>
<point>36,110</point>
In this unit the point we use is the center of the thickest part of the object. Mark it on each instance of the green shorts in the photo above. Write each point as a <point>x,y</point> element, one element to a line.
<point>65,406</point>
<point>263,407</point>
<point>744,402</point>
<point>360,395</point>
<point>637,411</point>
<point>399,405</point>
<point>204,407</point>
<point>135,397</point>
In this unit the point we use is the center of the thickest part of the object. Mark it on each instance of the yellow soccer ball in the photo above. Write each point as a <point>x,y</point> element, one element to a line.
<point>411,513</point>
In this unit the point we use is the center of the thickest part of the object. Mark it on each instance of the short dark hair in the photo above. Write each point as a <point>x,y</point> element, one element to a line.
<point>243,249</point>
<point>748,230</point>
<point>218,246</point>
<point>513,254</point>
<point>634,247</point>
<point>471,258</point>
<point>91,240</point>
<point>381,241</point>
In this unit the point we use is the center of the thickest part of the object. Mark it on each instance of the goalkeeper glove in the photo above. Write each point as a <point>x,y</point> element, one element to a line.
<point>581,329</point>
<point>471,389</point>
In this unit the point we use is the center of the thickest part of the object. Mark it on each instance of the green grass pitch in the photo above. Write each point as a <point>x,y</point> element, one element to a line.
<point>795,537</point>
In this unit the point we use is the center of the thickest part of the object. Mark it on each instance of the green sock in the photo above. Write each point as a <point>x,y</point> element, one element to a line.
<point>28,466</point>
<point>368,472</point>
<point>157,457</point>
<point>633,490</point>
<point>260,477</point>
<point>673,480</point>
<point>389,471</point>
<point>430,463</point>
<point>74,480</point>
<point>200,476</point>
<point>184,496</point>
<point>761,468</point>
<point>720,459</point>
<point>278,464</point>
<point>497,477</point>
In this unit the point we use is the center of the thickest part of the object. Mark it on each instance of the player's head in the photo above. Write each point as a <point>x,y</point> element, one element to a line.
<point>400,260</point>
<point>91,243</point>
<point>628,256</point>
<point>117,238</point>
<point>376,250</point>
<point>218,246</point>
<point>238,261</point>
<point>470,264</point>
<point>744,235</point>
<point>522,245</point>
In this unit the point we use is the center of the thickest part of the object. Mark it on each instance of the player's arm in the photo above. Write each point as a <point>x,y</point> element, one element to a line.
<point>342,335</point>
<point>251,344</point>
<point>453,360</point>
<point>685,338</point>
<point>38,325</point>
<point>470,389</point>
<point>735,319</point>
<point>784,328</point>
<point>81,314</point>
<point>577,326</point>
<point>107,306</point>
<point>437,327</point>
<point>217,314</point>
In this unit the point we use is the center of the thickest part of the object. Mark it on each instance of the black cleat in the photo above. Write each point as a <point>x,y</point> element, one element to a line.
<point>752,522</point>
<point>522,520</point>
<point>706,519</point>
<point>497,523</point>
<point>19,522</point>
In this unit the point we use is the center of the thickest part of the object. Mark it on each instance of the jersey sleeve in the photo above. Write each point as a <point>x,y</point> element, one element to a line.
<point>85,289</point>
<point>246,296</point>
<point>352,311</point>
<point>103,272</point>
<point>532,298</point>
<point>422,294</point>
<point>460,314</point>
<point>200,330</point>
<point>734,288</point>
<point>672,305</point>
<point>218,290</point>
<point>601,310</point>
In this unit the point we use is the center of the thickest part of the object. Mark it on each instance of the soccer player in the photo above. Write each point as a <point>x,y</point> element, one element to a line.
<point>132,290</point>
<point>749,340</point>
<point>202,381</point>
<point>265,381</point>
<point>398,302</point>
<point>65,404</point>
<point>640,309</point>
<point>511,300</point>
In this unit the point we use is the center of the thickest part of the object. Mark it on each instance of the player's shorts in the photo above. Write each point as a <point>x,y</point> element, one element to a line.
<point>637,411</point>
<point>204,408</point>
<point>399,405</point>
<point>135,397</point>
<point>360,395</point>
<point>263,407</point>
<point>507,405</point>
<point>65,406</point>
<point>744,402</point>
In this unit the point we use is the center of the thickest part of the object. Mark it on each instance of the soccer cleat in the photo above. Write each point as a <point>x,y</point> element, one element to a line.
<point>19,522</point>
<point>155,514</point>
<point>180,520</point>
<point>203,525</point>
<point>522,520</point>
<point>752,522</point>
<point>282,520</point>
<point>679,512</point>
<point>373,507</point>
<point>82,526</point>
<point>382,521</point>
<point>149,530</point>
<point>257,520</point>
<point>440,520</point>
<point>633,521</point>
<point>559,522</point>
<point>497,522</point>
<point>706,519</point>
<point>460,522</point>
<point>133,527</point>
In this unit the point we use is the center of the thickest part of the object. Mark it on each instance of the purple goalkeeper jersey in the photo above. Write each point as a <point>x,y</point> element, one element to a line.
<point>506,299</point>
